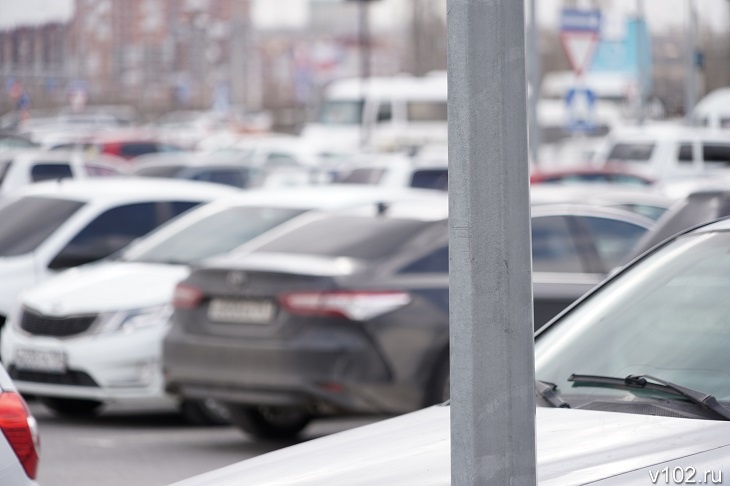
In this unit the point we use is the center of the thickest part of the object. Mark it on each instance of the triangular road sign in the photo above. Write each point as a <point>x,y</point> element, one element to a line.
<point>579,47</point>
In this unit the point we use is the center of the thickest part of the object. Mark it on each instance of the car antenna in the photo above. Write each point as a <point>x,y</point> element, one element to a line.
<point>382,208</point>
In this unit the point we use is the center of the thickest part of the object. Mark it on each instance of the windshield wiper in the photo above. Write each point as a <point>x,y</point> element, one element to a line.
<point>547,391</point>
<point>704,400</point>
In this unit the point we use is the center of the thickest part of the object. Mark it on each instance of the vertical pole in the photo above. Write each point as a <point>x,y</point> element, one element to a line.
<point>533,57</point>
<point>490,300</point>
<point>640,51</point>
<point>364,30</point>
<point>690,95</point>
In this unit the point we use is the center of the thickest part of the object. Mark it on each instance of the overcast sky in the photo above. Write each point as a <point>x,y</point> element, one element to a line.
<point>660,13</point>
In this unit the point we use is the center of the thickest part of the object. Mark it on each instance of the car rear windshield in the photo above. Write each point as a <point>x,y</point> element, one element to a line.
<point>431,179</point>
<point>28,221</point>
<point>232,228</point>
<point>347,236</point>
<point>159,171</point>
<point>636,152</point>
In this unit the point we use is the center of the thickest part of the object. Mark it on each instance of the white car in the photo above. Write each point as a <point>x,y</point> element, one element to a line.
<point>633,389</point>
<point>19,443</point>
<point>52,226</point>
<point>19,169</point>
<point>94,334</point>
<point>399,171</point>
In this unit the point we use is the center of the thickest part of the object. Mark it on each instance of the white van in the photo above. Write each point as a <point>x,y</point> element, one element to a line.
<point>384,113</point>
<point>713,111</point>
<point>667,151</point>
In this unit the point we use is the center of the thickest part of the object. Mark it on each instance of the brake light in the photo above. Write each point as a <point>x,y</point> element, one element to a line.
<point>21,430</point>
<point>186,296</point>
<point>355,305</point>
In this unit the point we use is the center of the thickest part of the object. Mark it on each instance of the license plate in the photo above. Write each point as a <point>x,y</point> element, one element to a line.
<point>241,311</point>
<point>35,360</point>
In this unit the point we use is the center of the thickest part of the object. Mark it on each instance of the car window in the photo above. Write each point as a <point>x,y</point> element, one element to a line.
<point>385,112</point>
<point>648,210</point>
<point>717,154</point>
<point>553,248</point>
<point>666,316</point>
<point>108,233</point>
<point>613,239</point>
<point>347,236</point>
<point>341,112</point>
<point>232,228</point>
<point>278,159</point>
<point>363,176</point>
<point>4,169</point>
<point>635,152</point>
<point>158,171</point>
<point>28,221</point>
<point>229,177</point>
<point>685,153</point>
<point>435,262</point>
<point>430,179</point>
<point>135,149</point>
<point>47,172</point>
<point>426,111</point>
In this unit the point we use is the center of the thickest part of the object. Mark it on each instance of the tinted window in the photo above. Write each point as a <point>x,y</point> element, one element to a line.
<point>613,239</point>
<point>636,152</point>
<point>553,249</point>
<point>685,153</point>
<point>108,233</point>
<point>716,154</point>
<point>159,171</point>
<point>222,176</point>
<point>27,222</point>
<point>427,111</point>
<point>430,179</point>
<point>46,172</point>
<point>435,262</point>
<point>385,113</point>
<point>363,176</point>
<point>232,228</point>
<point>134,149</point>
<point>347,236</point>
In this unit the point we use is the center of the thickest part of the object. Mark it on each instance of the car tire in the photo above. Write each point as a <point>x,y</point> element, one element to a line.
<point>71,407</point>
<point>270,422</point>
<point>204,413</point>
<point>439,387</point>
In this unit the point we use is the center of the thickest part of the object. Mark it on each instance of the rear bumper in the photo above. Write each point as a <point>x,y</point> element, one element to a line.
<point>341,374</point>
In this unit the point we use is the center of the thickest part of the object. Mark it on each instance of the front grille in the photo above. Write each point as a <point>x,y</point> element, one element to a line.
<point>70,377</point>
<point>41,325</point>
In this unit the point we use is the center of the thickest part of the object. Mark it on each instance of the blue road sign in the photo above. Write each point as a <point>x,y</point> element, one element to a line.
<point>575,20</point>
<point>580,103</point>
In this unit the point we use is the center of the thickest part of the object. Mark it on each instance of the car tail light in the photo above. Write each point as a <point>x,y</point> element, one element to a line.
<point>355,305</point>
<point>186,297</point>
<point>21,430</point>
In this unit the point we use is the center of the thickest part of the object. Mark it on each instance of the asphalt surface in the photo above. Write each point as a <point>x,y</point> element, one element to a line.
<point>145,448</point>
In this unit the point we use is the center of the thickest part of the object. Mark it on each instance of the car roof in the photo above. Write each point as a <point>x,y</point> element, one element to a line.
<point>596,192</point>
<point>666,132</point>
<point>125,189</point>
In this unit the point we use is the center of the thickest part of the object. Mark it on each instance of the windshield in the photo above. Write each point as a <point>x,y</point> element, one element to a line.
<point>341,112</point>
<point>667,316</point>
<point>27,222</point>
<point>232,227</point>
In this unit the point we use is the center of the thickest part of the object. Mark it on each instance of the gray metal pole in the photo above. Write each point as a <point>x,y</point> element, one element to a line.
<point>533,57</point>
<point>690,94</point>
<point>490,303</point>
<point>364,34</point>
<point>643,68</point>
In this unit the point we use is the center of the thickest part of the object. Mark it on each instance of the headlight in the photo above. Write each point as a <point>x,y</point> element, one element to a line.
<point>132,320</point>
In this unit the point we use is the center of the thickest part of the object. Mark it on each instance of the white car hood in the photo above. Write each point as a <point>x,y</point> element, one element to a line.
<point>106,287</point>
<point>573,447</point>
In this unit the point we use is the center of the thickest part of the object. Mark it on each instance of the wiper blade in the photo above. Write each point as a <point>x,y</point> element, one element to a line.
<point>546,390</point>
<point>704,400</point>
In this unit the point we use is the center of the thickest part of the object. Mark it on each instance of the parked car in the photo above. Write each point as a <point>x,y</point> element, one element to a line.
<point>667,151</point>
<point>19,439</point>
<point>107,320</point>
<point>633,381</point>
<point>582,175</point>
<point>216,169</point>
<point>52,226</point>
<point>398,171</point>
<point>13,141</point>
<point>18,169</point>
<point>637,199</point>
<point>128,145</point>
<point>345,313</point>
